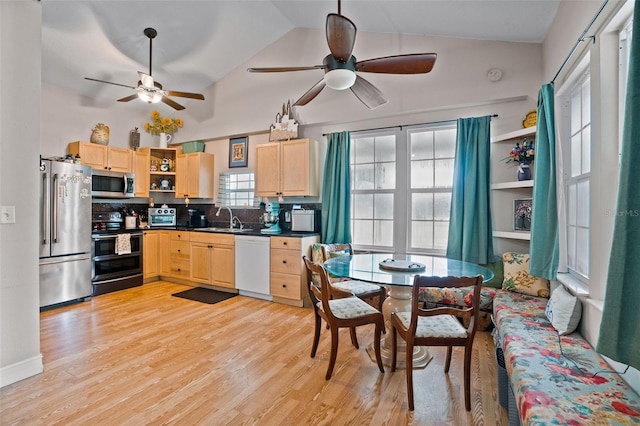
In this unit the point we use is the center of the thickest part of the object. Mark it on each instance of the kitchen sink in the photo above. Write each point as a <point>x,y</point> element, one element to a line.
<point>232,230</point>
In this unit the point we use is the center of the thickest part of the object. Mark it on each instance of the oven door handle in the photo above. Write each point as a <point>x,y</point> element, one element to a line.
<point>105,237</point>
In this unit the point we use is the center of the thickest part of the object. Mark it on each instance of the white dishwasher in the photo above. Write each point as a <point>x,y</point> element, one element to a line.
<point>252,266</point>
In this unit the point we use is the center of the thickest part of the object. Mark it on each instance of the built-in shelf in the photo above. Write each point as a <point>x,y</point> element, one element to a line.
<point>514,135</point>
<point>162,173</point>
<point>513,184</point>
<point>515,235</point>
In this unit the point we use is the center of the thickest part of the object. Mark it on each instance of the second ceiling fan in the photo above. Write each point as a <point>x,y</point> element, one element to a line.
<point>340,65</point>
<point>149,90</point>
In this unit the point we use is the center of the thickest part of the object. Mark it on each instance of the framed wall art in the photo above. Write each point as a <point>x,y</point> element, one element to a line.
<point>522,214</point>
<point>238,153</point>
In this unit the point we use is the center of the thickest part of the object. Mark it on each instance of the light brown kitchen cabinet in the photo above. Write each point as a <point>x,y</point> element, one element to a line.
<point>150,255</point>
<point>164,251</point>
<point>102,156</point>
<point>141,164</point>
<point>288,277</point>
<point>287,169</point>
<point>213,259</point>
<point>194,175</point>
<point>179,255</point>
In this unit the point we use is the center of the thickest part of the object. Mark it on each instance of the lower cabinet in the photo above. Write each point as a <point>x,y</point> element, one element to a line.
<point>179,255</point>
<point>150,255</point>
<point>213,259</point>
<point>209,258</point>
<point>288,278</point>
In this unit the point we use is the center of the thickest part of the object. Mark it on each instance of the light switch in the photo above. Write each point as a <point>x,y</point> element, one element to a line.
<point>7,214</point>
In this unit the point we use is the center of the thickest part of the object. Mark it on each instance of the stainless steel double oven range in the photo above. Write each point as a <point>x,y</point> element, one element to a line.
<point>111,270</point>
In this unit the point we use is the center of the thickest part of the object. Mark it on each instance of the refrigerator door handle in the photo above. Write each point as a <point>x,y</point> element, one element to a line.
<point>55,209</point>
<point>43,213</point>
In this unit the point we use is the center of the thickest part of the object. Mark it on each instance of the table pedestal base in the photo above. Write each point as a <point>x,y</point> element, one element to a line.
<point>399,300</point>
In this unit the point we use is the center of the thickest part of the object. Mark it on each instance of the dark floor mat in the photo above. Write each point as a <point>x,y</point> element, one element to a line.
<point>204,295</point>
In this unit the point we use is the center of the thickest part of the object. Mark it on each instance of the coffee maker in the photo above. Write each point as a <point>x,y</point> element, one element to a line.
<point>197,218</point>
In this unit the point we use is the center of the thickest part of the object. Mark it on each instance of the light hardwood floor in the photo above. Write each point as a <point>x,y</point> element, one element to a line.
<point>141,356</point>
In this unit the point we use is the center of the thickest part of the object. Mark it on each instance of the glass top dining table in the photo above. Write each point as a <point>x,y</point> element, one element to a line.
<point>366,267</point>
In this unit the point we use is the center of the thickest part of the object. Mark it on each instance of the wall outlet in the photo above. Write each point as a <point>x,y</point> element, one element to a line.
<point>7,214</point>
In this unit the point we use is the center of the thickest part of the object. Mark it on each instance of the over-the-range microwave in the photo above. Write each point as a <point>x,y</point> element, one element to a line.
<point>109,184</point>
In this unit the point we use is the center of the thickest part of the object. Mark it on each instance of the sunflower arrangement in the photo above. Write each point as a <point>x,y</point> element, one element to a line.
<point>162,124</point>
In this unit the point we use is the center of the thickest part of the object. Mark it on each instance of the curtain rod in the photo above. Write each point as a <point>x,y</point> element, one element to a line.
<point>581,39</point>
<point>407,125</point>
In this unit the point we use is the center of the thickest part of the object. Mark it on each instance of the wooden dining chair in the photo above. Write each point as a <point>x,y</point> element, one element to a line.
<point>439,326</point>
<point>340,309</point>
<point>361,289</point>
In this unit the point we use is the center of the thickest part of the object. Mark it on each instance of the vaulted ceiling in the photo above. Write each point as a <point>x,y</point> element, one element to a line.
<point>199,42</point>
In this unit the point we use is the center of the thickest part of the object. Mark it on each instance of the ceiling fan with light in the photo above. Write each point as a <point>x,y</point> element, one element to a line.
<point>340,65</point>
<point>149,90</point>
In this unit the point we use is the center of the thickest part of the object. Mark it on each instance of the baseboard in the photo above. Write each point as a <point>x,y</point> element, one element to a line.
<point>21,370</point>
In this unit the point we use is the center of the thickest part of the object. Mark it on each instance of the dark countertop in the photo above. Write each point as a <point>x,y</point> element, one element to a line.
<point>248,232</point>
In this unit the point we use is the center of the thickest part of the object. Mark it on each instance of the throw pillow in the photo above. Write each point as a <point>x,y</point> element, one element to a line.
<point>564,311</point>
<point>518,279</point>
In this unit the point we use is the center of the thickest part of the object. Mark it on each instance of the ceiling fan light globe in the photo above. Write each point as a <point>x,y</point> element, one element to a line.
<point>340,79</point>
<point>150,97</point>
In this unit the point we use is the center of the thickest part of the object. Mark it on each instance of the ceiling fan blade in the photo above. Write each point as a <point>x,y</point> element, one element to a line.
<point>146,80</point>
<point>413,63</point>
<point>368,93</point>
<point>311,93</point>
<point>186,95</point>
<point>172,103</point>
<point>128,98</point>
<point>341,36</point>
<point>109,82</point>
<point>285,69</point>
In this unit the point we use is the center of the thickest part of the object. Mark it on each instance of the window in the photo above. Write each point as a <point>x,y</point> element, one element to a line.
<point>431,168</point>
<point>577,178</point>
<point>373,187</point>
<point>401,188</point>
<point>236,189</point>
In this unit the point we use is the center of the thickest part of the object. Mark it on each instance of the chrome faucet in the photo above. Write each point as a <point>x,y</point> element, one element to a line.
<point>230,215</point>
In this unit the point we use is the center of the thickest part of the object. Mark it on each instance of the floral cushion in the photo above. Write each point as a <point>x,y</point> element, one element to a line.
<point>435,326</point>
<point>518,279</point>
<point>433,297</point>
<point>554,379</point>
<point>349,307</point>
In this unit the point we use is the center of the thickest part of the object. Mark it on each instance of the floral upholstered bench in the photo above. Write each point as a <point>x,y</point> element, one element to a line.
<point>555,375</point>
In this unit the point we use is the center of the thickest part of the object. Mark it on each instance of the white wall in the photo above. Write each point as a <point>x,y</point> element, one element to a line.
<point>19,147</point>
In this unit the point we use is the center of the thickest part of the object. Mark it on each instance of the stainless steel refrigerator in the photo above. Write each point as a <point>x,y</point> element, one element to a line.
<point>65,232</point>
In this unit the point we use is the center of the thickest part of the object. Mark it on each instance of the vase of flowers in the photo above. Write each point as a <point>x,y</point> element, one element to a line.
<point>522,154</point>
<point>164,127</point>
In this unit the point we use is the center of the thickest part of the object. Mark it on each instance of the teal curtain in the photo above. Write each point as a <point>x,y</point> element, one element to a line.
<point>620,328</point>
<point>543,247</point>
<point>470,232</point>
<point>336,190</point>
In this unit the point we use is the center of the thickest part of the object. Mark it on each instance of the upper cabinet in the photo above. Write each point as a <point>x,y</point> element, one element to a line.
<point>158,171</point>
<point>141,164</point>
<point>287,169</point>
<point>194,175</point>
<point>102,156</point>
